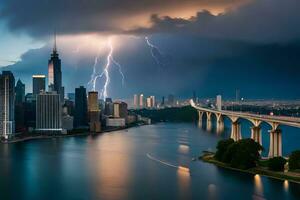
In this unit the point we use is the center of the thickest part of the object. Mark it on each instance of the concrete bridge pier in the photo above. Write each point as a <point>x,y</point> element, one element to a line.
<point>200,118</point>
<point>256,134</point>
<point>275,149</point>
<point>235,130</point>
<point>208,121</point>
<point>220,123</point>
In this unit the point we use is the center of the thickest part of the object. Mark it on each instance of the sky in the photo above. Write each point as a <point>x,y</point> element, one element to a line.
<point>162,47</point>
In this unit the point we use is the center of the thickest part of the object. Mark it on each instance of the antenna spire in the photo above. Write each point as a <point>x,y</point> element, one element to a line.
<point>54,48</point>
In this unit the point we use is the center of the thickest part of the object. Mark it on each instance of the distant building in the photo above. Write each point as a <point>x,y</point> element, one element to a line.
<point>20,92</point>
<point>19,106</point>
<point>71,97</point>
<point>48,113</point>
<point>120,110</point>
<point>219,102</point>
<point>151,102</point>
<point>70,105</point>
<point>162,101</point>
<point>171,100</point>
<point>80,114</point>
<point>94,112</point>
<point>135,101</point>
<point>115,122</point>
<point>109,108</point>
<point>141,102</point>
<point>29,98</point>
<point>67,120</point>
<point>7,104</point>
<point>38,84</point>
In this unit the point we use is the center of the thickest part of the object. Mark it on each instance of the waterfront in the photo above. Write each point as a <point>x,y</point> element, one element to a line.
<point>148,162</point>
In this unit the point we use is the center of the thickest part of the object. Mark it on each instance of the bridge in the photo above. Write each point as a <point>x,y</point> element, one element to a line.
<point>275,148</point>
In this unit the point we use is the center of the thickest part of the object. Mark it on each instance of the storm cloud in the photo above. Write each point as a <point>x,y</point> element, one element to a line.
<point>40,17</point>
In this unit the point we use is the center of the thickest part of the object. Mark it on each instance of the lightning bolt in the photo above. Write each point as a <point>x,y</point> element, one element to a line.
<point>155,52</point>
<point>109,61</point>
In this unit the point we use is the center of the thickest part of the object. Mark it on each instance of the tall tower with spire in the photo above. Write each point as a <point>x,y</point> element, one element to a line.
<point>54,72</point>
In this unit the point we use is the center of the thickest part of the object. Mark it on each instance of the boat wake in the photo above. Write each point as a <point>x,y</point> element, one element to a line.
<point>168,164</point>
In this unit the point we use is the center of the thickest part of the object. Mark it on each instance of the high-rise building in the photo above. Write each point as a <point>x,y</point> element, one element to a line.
<point>7,104</point>
<point>94,112</point>
<point>171,100</point>
<point>219,102</point>
<point>93,101</point>
<point>48,112</point>
<point>38,84</point>
<point>163,101</point>
<point>141,102</point>
<point>135,101</point>
<point>109,107</point>
<point>120,110</point>
<point>19,106</point>
<point>80,115</point>
<point>54,73</point>
<point>20,92</point>
<point>151,102</point>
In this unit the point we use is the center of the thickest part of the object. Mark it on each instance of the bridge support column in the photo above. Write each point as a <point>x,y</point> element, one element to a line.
<point>275,149</point>
<point>236,131</point>
<point>200,118</point>
<point>208,121</point>
<point>256,134</point>
<point>220,123</point>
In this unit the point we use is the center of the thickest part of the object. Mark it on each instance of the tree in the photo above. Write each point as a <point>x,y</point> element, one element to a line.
<point>294,160</point>
<point>222,148</point>
<point>276,163</point>
<point>243,154</point>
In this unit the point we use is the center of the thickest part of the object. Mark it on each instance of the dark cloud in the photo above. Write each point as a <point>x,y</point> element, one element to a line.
<point>39,17</point>
<point>208,66</point>
<point>265,21</point>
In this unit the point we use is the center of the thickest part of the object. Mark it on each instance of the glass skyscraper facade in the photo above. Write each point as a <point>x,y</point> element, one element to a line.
<point>7,104</point>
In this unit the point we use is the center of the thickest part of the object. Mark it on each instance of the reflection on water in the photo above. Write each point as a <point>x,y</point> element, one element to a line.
<point>258,187</point>
<point>183,175</point>
<point>109,160</point>
<point>286,185</point>
<point>149,162</point>
<point>182,148</point>
<point>212,191</point>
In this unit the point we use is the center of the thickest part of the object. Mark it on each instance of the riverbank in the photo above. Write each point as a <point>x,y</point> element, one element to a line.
<point>38,136</point>
<point>263,171</point>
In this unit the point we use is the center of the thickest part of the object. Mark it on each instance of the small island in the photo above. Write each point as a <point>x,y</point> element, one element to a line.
<point>245,156</point>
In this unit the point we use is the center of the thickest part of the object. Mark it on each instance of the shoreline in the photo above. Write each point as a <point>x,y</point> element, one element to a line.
<point>208,158</point>
<point>39,137</point>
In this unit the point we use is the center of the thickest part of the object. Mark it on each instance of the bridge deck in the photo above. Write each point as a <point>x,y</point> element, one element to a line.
<point>290,121</point>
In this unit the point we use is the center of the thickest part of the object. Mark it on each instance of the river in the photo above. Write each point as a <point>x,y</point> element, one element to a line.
<point>147,162</point>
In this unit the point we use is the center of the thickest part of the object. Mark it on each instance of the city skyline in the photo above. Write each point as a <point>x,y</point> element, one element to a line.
<point>212,60</point>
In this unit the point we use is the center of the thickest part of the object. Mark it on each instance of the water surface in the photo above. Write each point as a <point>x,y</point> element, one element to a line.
<point>148,162</point>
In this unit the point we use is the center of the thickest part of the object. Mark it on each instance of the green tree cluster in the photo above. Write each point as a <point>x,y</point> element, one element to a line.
<point>242,154</point>
<point>294,160</point>
<point>276,163</point>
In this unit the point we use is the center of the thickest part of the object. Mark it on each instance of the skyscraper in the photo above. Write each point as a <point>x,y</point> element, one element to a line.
<point>48,112</point>
<point>20,92</point>
<point>7,104</point>
<point>80,115</point>
<point>141,101</point>
<point>219,102</point>
<point>38,84</point>
<point>135,101</point>
<point>120,110</point>
<point>171,100</point>
<point>94,112</point>
<point>54,73</point>
<point>19,106</point>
